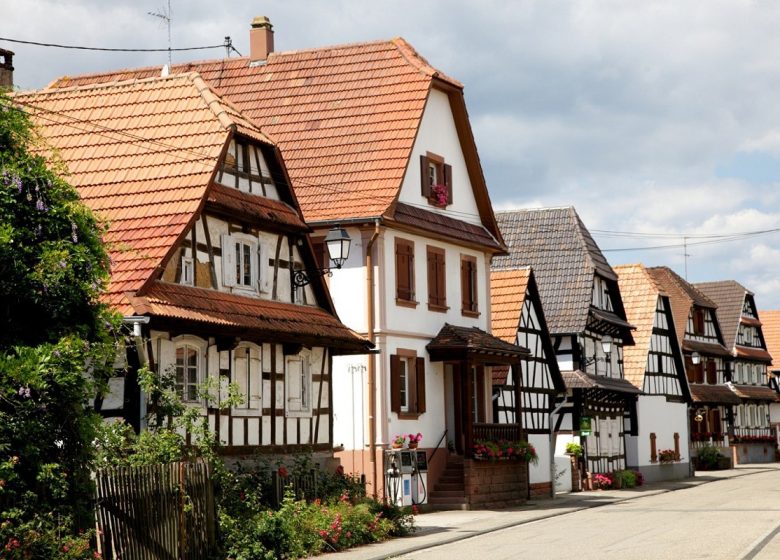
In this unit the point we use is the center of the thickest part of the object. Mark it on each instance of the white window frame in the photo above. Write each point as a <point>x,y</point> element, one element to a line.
<point>229,276</point>
<point>167,350</point>
<point>298,390</point>
<point>247,373</point>
<point>187,277</point>
<point>404,375</point>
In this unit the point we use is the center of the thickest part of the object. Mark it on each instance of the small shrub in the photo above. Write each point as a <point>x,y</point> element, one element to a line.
<point>667,456</point>
<point>708,457</point>
<point>626,478</point>
<point>574,449</point>
<point>602,481</point>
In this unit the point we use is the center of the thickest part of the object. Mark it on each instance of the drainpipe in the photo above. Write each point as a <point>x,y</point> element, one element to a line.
<point>371,359</point>
<point>552,413</point>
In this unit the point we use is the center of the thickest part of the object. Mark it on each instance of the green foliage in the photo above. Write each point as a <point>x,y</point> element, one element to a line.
<point>574,449</point>
<point>53,264</point>
<point>44,537</point>
<point>625,478</point>
<point>708,457</point>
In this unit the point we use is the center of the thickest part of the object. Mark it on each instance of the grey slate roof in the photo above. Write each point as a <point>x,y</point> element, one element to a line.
<point>729,295</point>
<point>564,256</point>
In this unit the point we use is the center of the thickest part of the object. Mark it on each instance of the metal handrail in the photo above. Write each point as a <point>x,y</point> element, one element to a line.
<point>435,449</point>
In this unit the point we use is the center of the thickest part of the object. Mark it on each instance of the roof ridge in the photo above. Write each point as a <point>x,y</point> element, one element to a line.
<point>212,99</point>
<point>534,209</point>
<point>421,63</point>
<point>48,90</point>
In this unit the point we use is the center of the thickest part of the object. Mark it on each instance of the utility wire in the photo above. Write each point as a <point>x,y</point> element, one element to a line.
<point>55,45</point>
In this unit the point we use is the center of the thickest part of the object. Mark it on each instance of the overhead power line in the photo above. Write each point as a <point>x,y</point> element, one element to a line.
<point>55,45</point>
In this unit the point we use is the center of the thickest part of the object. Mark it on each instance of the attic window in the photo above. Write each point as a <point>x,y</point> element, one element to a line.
<point>245,168</point>
<point>436,177</point>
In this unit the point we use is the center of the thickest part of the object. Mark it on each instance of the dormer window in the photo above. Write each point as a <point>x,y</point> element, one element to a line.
<point>436,178</point>
<point>187,271</point>
<point>245,169</point>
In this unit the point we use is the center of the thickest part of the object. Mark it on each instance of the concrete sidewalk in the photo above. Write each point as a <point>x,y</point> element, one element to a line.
<point>444,527</point>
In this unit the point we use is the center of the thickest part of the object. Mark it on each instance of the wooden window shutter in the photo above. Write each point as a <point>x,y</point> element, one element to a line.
<point>689,369</point>
<point>404,270</point>
<point>420,381</point>
<point>425,185</point>
<point>228,262</point>
<point>464,285</point>
<point>395,383</point>
<point>433,296</point>
<point>448,182</point>
<point>441,279</point>
<point>319,251</point>
<point>712,372</point>
<point>714,420</point>
<point>699,370</point>
<point>255,378</point>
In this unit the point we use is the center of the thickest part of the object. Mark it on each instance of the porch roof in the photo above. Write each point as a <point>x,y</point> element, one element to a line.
<point>758,354</point>
<point>756,393</point>
<point>713,394</point>
<point>578,379</point>
<point>705,348</point>
<point>460,343</point>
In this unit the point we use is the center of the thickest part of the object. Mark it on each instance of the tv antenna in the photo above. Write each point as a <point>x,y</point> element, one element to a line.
<point>165,15</point>
<point>686,255</point>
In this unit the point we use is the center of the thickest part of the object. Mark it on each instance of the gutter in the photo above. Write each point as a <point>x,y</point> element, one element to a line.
<point>371,361</point>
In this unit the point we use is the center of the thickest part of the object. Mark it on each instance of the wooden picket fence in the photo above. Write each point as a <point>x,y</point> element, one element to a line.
<point>156,512</point>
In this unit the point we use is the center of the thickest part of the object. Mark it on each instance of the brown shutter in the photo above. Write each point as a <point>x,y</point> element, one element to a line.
<point>480,394</point>
<point>441,282</point>
<point>395,383</point>
<point>433,296</point>
<point>420,380</point>
<point>425,185</point>
<point>714,421</point>
<point>689,369</point>
<point>712,372</point>
<point>318,243</point>
<point>404,267</point>
<point>448,182</point>
<point>699,372</point>
<point>464,285</point>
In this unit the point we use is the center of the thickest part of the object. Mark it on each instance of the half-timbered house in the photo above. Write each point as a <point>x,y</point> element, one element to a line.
<point>518,318</point>
<point>379,141</point>
<point>770,325</point>
<point>205,234</point>
<point>707,360</point>
<point>585,316</point>
<point>753,435</point>
<point>655,365</point>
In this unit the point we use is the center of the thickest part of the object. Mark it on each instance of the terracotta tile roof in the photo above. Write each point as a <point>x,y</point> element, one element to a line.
<point>770,325</point>
<point>281,322</point>
<point>640,296</point>
<point>507,295</point>
<point>452,228</point>
<point>756,393</point>
<point>564,257</point>
<point>705,348</point>
<point>346,118</point>
<point>266,211</point>
<point>141,155</point>
<point>578,379</point>
<point>500,373</point>
<point>757,354</point>
<point>452,338</point>
<point>713,394</point>
<point>682,296</point>
<point>729,296</point>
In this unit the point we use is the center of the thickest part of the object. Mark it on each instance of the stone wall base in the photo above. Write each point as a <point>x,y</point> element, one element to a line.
<point>495,484</point>
<point>540,490</point>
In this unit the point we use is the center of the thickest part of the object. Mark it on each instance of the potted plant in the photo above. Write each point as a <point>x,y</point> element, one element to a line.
<point>414,440</point>
<point>667,456</point>
<point>439,194</point>
<point>398,441</point>
<point>573,449</point>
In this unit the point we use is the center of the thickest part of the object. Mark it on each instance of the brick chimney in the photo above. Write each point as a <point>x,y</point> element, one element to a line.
<point>261,39</point>
<point>6,69</point>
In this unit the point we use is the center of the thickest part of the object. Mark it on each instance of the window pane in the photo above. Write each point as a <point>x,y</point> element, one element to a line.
<point>192,356</point>
<point>179,374</point>
<point>403,385</point>
<point>247,280</point>
<point>238,263</point>
<point>192,375</point>
<point>191,393</point>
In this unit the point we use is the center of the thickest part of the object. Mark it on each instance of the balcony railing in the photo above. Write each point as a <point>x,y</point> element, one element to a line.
<point>495,432</point>
<point>754,435</point>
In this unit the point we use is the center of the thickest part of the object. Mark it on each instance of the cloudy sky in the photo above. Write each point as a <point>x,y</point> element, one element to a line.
<point>652,117</point>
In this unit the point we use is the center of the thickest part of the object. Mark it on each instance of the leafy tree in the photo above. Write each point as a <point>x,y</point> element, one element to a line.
<point>56,345</point>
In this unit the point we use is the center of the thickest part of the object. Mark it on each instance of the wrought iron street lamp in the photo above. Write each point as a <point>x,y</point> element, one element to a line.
<point>695,358</point>
<point>337,243</point>
<point>606,344</point>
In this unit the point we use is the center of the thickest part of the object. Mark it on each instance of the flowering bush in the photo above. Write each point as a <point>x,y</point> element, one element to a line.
<point>753,439</point>
<point>439,194</point>
<point>494,450</point>
<point>415,438</point>
<point>667,456</point>
<point>602,481</point>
